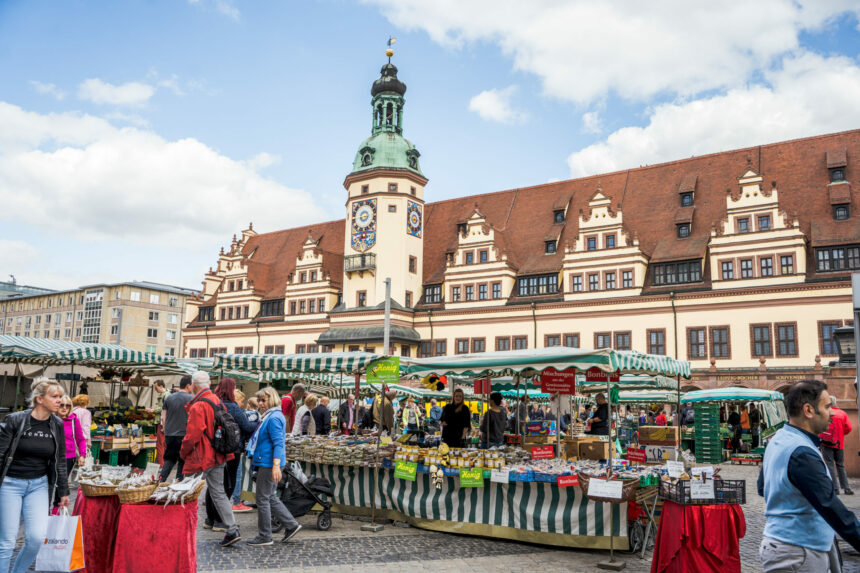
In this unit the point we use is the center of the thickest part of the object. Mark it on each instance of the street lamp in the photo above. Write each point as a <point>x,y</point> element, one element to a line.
<point>846,346</point>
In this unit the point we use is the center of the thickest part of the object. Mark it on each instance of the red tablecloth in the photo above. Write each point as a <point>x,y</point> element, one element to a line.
<point>156,538</point>
<point>699,539</point>
<point>99,517</point>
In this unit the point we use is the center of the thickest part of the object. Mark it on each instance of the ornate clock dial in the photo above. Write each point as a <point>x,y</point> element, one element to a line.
<point>363,216</point>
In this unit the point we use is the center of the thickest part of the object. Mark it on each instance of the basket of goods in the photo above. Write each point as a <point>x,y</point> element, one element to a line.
<point>102,482</point>
<point>136,488</point>
<point>189,489</point>
<point>628,489</point>
<point>93,489</point>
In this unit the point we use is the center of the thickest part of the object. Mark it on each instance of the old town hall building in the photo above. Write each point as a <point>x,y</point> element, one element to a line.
<point>737,261</point>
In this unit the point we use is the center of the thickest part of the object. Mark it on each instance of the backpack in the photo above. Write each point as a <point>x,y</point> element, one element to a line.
<point>227,438</point>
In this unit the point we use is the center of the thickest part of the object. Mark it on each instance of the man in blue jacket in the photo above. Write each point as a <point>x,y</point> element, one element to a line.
<point>802,509</point>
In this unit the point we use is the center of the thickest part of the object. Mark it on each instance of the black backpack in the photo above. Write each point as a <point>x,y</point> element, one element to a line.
<point>227,438</point>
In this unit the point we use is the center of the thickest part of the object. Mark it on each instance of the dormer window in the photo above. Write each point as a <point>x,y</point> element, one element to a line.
<point>610,241</point>
<point>687,199</point>
<point>591,243</point>
<point>558,216</point>
<point>743,225</point>
<point>764,222</point>
<point>549,247</point>
<point>841,212</point>
<point>470,258</point>
<point>461,228</point>
<point>683,230</point>
<point>837,174</point>
<point>483,256</point>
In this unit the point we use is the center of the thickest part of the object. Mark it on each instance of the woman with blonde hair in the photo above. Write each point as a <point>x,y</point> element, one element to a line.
<point>304,423</point>
<point>268,454</point>
<point>80,404</point>
<point>456,421</point>
<point>32,472</point>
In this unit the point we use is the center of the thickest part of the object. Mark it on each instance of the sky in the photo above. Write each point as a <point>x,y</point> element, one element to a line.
<point>137,137</point>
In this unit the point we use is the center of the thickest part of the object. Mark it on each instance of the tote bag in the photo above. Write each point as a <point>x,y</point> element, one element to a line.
<point>63,549</point>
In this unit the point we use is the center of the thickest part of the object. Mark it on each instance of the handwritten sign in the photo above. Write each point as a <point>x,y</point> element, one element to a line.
<point>385,371</point>
<point>605,488</point>
<point>567,481</point>
<point>543,452</point>
<point>702,489</point>
<point>471,477</point>
<point>500,476</point>
<point>405,470</point>
<point>675,469</point>
<point>706,471</point>
<point>637,455</point>
<point>553,381</point>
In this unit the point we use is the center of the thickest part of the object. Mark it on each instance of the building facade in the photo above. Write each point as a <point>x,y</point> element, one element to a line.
<point>738,261</point>
<point>140,315</point>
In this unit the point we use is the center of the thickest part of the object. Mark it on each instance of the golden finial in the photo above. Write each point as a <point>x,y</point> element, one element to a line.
<point>390,52</point>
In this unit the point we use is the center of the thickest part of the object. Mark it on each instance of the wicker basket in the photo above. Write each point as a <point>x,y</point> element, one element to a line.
<point>90,490</point>
<point>136,495</point>
<point>628,490</point>
<point>192,495</point>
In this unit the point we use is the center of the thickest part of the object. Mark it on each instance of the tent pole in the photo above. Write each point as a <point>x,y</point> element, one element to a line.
<point>611,564</point>
<point>18,385</point>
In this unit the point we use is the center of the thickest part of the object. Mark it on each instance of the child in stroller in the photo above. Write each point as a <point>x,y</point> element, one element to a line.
<point>300,497</point>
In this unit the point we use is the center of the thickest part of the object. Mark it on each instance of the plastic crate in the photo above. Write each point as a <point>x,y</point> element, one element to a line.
<point>726,492</point>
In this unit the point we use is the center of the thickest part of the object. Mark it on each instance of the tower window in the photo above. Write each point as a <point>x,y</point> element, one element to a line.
<point>558,216</point>
<point>392,187</point>
<point>413,264</point>
<point>837,174</point>
<point>392,208</point>
<point>549,247</point>
<point>365,189</point>
<point>413,191</point>
<point>687,199</point>
<point>683,230</point>
<point>841,212</point>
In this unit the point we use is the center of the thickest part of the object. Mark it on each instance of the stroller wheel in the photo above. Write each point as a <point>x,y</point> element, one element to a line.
<point>324,521</point>
<point>277,526</point>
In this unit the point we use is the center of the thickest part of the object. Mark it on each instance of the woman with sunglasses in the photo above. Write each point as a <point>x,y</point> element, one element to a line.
<point>76,440</point>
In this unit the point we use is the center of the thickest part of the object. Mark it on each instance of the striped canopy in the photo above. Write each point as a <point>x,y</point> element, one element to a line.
<point>630,382</point>
<point>52,352</point>
<point>732,395</point>
<point>647,397</point>
<point>532,362</point>
<point>333,362</point>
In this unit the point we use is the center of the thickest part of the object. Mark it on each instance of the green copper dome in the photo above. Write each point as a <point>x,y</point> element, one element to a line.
<point>386,148</point>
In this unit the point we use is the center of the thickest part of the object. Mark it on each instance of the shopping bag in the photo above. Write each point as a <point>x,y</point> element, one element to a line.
<point>63,549</point>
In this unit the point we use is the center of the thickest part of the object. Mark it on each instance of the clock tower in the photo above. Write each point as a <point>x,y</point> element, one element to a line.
<point>384,206</point>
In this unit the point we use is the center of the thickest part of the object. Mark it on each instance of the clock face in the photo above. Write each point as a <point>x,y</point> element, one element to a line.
<point>413,219</point>
<point>364,216</point>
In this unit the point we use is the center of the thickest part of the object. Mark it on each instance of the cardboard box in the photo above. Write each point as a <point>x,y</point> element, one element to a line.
<point>537,440</point>
<point>593,450</point>
<point>658,435</point>
<point>542,428</point>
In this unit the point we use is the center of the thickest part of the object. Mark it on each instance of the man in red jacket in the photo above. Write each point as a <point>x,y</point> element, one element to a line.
<point>200,456</point>
<point>833,447</point>
<point>289,404</point>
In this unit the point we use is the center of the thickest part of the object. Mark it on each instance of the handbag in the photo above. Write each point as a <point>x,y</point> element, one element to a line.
<point>63,549</point>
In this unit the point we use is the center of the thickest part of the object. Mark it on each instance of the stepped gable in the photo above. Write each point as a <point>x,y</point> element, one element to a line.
<point>274,255</point>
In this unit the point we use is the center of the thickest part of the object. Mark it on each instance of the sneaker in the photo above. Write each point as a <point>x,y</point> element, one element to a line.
<point>218,526</point>
<point>259,542</point>
<point>241,508</point>
<point>849,492</point>
<point>250,504</point>
<point>290,533</point>
<point>230,539</point>
<point>207,524</point>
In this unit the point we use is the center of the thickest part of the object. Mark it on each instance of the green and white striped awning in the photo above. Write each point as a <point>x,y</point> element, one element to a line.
<point>331,362</point>
<point>532,362</point>
<point>732,395</point>
<point>629,382</point>
<point>647,397</point>
<point>54,352</point>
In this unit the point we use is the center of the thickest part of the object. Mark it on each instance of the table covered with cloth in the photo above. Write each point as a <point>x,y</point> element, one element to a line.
<point>699,539</point>
<point>99,517</point>
<point>156,538</point>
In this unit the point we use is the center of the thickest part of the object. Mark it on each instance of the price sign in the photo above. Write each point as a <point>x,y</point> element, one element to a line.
<point>405,470</point>
<point>637,455</point>
<point>543,452</point>
<point>567,481</point>
<point>675,469</point>
<point>605,488</point>
<point>702,489</point>
<point>659,453</point>
<point>499,476</point>
<point>554,382</point>
<point>471,477</point>
<point>597,375</point>
<point>706,471</point>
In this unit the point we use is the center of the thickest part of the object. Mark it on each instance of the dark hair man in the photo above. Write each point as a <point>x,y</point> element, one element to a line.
<point>801,507</point>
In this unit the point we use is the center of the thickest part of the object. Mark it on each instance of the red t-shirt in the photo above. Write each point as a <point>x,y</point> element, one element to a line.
<point>660,420</point>
<point>288,407</point>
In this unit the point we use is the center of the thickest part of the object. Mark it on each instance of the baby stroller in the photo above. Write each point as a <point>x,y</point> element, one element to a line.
<point>301,497</point>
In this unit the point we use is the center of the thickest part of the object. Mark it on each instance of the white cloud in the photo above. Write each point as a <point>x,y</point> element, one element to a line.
<point>224,7</point>
<point>48,89</point>
<point>495,105</point>
<point>583,50</point>
<point>262,160</point>
<point>102,92</point>
<point>591,122</point>
<point>808,95</point>
<point>14,254</point>
<point>88,177</point>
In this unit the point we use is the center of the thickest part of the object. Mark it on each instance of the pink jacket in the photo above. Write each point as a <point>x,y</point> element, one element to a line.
<point>74,435</point>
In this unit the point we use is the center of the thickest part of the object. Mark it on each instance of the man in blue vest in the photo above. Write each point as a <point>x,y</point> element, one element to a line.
<point>802,509</point>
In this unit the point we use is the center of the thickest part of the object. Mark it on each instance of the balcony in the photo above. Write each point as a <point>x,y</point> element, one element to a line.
<point>364,262</point>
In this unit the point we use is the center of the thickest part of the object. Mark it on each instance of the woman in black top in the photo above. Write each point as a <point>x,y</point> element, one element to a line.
<point>456,421</point>
<point>32,470</point>
<point>493,424</point>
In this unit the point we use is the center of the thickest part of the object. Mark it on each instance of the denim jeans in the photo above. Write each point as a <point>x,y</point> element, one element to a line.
<point>268,504</point>
<point>220,502</point>
<point>237,490</point>
<point>27,498</point>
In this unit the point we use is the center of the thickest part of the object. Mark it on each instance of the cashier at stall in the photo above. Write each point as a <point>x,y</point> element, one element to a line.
<point>599,423</point>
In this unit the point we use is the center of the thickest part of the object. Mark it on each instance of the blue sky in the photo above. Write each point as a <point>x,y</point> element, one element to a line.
<point>136,137</point>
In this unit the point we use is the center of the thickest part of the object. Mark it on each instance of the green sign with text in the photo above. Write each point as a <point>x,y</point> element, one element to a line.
<point>471,477</point>
<point>405,470</point>
<point>385,371</point>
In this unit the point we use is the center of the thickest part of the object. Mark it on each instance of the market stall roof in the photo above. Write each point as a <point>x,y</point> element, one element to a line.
<point>631,382</point>
<point>28,349</point>
<point>47,351</point>
<point>420,392</point>
<point>531,362</point>
<point>647,397</point>
<point>345,362</point>
<point>732,394</point>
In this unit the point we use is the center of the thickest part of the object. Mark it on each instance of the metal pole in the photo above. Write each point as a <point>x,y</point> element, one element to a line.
<point>612,564</point>
<point>387,328</point>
